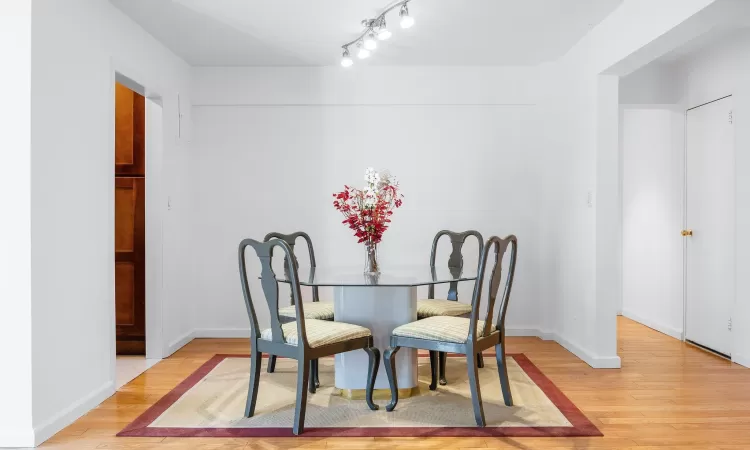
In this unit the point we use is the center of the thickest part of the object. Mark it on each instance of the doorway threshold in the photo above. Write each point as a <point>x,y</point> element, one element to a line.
<point>128,368</point>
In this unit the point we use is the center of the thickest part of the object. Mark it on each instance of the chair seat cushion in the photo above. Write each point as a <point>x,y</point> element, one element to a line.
<point>313,310</point>
<point>439,307</point>
<point>440,328</point>
<point>319,332</point>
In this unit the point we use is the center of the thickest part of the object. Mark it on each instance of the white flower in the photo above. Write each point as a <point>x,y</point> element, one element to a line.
<point>370,196</point>
<point>386,179</point>
<point>371,176</point>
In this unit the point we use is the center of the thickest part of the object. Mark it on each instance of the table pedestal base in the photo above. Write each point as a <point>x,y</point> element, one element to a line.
<point>378,394</point>
<point>381,309</point>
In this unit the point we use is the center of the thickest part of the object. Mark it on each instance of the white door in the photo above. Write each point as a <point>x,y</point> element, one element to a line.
<point>710,214</point>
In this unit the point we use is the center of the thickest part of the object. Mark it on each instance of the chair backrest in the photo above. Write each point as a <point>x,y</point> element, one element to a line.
<point>264,251</point>
<point>456,258</point>
<point>290,240</point>
<point>500,246</point>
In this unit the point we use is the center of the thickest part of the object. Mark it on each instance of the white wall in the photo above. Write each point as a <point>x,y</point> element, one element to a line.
<point>15,226</point>
<point>77,47</point>
<point>653,176</point>
<point>272,145</point>
<point>718,70</point>
<point>655,83</point>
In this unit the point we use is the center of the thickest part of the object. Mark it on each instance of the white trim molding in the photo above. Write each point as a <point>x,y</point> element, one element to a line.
<point>741,360</point>
<point>596,362</point>
<point>70,414</point>
<point>179,343</point>
<point>654,325</point>
<point>218,333</point>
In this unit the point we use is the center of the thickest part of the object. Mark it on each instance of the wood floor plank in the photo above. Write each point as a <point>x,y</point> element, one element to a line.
<point>667,395</point>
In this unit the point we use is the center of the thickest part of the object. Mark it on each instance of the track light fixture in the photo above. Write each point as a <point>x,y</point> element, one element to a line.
<point>370,42</point>
<point>376,30</point>
<point>346,60</point>
<point>406,20</point>
<point>363,52</point>
<point>383,32</point>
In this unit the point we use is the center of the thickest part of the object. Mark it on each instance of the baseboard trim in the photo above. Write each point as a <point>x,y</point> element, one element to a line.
<point>612,362</point>
<point>741,360</point>
<point>523,332</point>
<point>179,343</point>
<point>661,328</point>
<point>228,333</point>
<point>219,333</point>
<point>596,362</point>
<point>70,414</point>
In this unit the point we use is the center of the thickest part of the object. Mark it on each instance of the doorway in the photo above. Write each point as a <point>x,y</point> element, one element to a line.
<point>137,155</point>
<point>710,225</point>
<point>130,221</point>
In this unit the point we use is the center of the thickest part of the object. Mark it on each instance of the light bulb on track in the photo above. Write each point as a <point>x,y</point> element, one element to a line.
<point>383,32</point>
<point>370,42</point>
<point>406,20</point>
<point>346,60</point>
<point>363,52</point>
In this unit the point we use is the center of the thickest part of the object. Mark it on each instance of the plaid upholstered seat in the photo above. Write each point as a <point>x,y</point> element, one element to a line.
<point>440,328</point>
<point>319,332</point>
<point>438,307</point>
<point>313,310</point>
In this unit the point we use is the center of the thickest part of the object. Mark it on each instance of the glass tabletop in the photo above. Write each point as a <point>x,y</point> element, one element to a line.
<point>419,275</point>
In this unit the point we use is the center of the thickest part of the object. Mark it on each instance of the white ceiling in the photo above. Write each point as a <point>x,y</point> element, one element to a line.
<point>311,32</point>
<point>703,42</point>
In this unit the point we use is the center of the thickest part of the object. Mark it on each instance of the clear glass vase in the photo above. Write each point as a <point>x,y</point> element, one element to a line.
<point>371,258</point>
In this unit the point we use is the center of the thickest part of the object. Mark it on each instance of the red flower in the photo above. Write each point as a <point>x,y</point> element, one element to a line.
<point>368,220</point>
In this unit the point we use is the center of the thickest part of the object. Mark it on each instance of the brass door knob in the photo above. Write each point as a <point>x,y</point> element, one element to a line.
<point>687,232</point>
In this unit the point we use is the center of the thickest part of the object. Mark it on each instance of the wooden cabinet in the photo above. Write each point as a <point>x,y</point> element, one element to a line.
<point>130,132</point>
<point>130,222</point>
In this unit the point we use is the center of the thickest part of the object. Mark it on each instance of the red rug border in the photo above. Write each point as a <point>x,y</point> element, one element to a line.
<point>581,425</point>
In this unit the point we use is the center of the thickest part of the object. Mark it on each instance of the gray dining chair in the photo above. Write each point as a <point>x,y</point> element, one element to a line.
<point>449,306</point>
<point>304,340</point>
<point>315,310</point>
<point>467,336</point>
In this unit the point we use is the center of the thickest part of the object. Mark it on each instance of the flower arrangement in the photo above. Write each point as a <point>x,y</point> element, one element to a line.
<point>368,211</point>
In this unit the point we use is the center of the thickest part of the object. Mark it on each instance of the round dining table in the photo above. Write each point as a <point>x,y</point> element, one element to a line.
<point>380,302</point>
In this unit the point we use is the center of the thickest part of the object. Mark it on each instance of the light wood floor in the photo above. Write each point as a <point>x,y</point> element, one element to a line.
<point>667,395</point>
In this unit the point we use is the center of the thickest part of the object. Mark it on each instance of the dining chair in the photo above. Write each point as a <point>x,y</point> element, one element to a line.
<point>449,306</point>
<point>467,336</point>
<point>304,340</point>
<point>317,310</point>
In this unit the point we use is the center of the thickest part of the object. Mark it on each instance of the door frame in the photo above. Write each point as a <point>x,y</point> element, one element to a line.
<point>685,225</point>
<point>154,174</point>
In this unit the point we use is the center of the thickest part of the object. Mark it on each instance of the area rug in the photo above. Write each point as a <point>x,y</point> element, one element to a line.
<point>211,402</point>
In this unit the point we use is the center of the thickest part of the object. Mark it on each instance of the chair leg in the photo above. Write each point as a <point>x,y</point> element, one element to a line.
<point>271,364</point>
<point>480,361</point>
<point>476,393</point>
<point>433,369</point>
<point>443,362</point>
<point>252,390</point>
<point>502,370</point>
<point>390,369</point>
<point>372,373</point>
<point>303,375</point>
<point>313,371</point>
<point>316,374</point>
